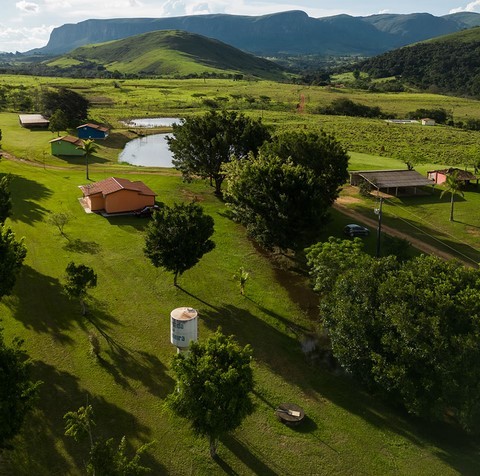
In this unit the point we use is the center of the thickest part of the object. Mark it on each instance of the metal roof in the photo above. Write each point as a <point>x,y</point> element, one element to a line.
<point>394,178</point>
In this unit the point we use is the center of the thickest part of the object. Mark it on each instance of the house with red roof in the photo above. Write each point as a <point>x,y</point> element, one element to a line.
<point>117,195</point>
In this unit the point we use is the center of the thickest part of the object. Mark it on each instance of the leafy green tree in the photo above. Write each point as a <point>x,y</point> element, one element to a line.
<point>73,105</point>
<point>89,148</point>
<point>411,331</point>
<point>58,122</point>
<point>77,280</point>
<point>12,254</point>
<point>178,236</point>
<point>214,382</point>
<point>17,391</point>
<point>104,458</point>
<point>453,187</point>
<point>241,276</point>
<point>328,260</point>
<point>200,145</point>
<point>282,196</point>
<point>5,198</point>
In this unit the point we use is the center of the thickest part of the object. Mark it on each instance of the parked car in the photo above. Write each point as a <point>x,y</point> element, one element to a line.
<point>356,230</point>
<point>146,211</point>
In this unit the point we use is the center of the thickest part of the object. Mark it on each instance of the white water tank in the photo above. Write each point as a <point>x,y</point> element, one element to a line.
<point>183,326</point>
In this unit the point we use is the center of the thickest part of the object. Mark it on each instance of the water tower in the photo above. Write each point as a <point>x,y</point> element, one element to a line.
<point>183,327</point>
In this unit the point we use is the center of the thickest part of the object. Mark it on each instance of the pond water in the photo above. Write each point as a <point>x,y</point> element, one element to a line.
<point>152,122</point>
<point>148,151</point>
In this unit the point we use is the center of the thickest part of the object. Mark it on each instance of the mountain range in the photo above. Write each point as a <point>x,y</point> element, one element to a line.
<point>286,33</point>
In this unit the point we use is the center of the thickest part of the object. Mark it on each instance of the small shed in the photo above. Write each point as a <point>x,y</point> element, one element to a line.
<point>440,176</point>
<point>426,121</point>
<point>67,145</point>
<point>404,182</point>
<point>92,131</point>
<point>117,195</point>
<point>33,121</point>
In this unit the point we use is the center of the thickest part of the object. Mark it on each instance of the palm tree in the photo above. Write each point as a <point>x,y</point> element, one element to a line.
<point>453,186</point>
<point>89,148</point>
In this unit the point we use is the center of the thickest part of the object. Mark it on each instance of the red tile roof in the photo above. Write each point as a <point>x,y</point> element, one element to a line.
<point>73,140</point>
<point>94,126</point>
<point>113,184</point>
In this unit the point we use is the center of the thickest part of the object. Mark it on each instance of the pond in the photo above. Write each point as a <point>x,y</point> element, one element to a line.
<point>152,122</point>
<point>148,151</point>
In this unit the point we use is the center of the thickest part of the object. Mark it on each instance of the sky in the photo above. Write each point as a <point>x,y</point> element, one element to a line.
<point>26,24</point>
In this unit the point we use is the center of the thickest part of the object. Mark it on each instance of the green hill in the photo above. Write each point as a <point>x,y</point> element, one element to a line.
<point>169,54</point>
<point>448,64</point>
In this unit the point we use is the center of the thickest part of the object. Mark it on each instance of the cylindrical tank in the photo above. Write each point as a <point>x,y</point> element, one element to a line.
<point>183,326</point>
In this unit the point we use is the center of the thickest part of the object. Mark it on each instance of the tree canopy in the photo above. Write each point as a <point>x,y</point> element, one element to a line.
<point>410,330</point>
<point>78,279</point>
<point>214,381</point>
<point>17,391</point>
<point>200,145</point>
<point>178,236</point>
<point>12,254</point>
<point>73,105</point>
<point>5,198</point>
<point>282,196</point>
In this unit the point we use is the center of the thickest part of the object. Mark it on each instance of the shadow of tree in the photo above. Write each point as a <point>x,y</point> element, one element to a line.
<point>42,435</point>
<point>453,446</point>
<point>124,365</point>
<point>25,196</point>
<point>80,246</point>
<point>54,313</point>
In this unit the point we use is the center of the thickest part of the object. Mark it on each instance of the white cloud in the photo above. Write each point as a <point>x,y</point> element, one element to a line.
<point>27,7</point>
<point>470,7</point>
<point>382,12</point>
<point>23,39</point>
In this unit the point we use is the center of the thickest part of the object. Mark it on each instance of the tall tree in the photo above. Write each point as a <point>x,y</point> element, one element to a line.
<point>200,145</point>
<point>453,187</point>
<point>89,148</point>
<point>58,122</point>
<point>5,198</point>
<point>214,382</point>
<point>77,280</point>
<point>178,236</point>
<point>17,391</point>
<point>73,105</point>
<point>104,458</point>
<point>410,331</point>
<point>12,254</point>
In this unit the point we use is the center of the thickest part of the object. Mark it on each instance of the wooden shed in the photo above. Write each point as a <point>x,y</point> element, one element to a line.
<point>67,145</point>
<point>396,182</point>
<point>117,195</point>
<point>92,131</point>
<point>33,121</point>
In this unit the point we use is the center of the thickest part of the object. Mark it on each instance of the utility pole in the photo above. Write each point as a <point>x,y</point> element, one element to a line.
<point>378,211</point>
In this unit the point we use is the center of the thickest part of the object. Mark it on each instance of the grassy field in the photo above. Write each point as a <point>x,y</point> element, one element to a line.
<point>347,431</point>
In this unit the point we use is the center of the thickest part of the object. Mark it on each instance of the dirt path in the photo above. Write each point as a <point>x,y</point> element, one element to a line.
<point>419,244</point>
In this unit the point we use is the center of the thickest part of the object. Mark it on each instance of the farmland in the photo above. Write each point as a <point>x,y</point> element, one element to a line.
<point>347,430</point>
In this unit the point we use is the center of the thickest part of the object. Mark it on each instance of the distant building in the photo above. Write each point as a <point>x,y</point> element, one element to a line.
<point>33,121</point>
<point>67,145</point>
<point>428,122</point>
<point>440,176</point>
<point>117,195</point>
<point>92,131</point>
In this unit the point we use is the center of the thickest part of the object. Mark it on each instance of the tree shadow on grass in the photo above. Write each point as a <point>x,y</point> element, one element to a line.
<point>41,305</point>
<point>247,457</point>
<point>60,393</point>
<point>80,246</point>
<point>25,197</point>
<point>183,290</point>
<point>455,447</point>
<point>124,365</point>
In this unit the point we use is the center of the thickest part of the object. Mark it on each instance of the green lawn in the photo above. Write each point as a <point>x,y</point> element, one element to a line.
<point>346,432</point>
